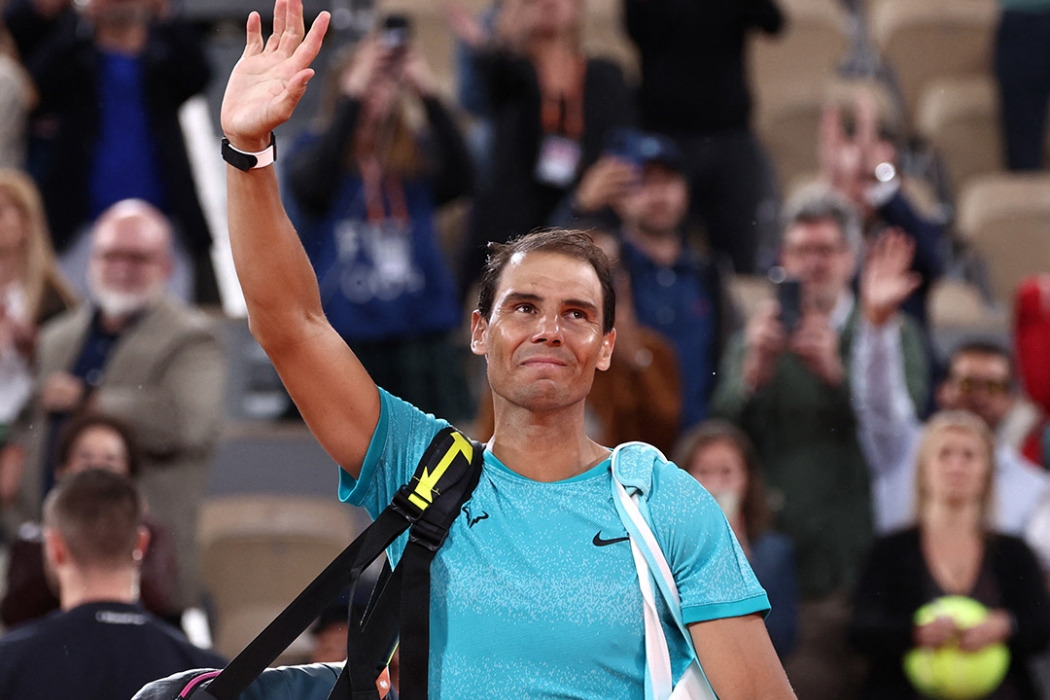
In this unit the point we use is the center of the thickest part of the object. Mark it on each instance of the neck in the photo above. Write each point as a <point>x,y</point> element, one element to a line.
<point>114,324</point>
<point>959,519</point>
<point>662,247</point>
<point>543,446</point>
<point>79,587</point>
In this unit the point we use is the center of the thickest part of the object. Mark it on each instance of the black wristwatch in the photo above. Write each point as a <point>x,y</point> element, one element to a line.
<point>246,161</point>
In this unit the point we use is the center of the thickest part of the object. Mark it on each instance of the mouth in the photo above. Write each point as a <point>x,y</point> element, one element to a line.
<point>543,361</point>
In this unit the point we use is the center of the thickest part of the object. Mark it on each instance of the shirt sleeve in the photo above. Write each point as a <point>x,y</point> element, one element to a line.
<point>712,573</point>
<point>400,438</point>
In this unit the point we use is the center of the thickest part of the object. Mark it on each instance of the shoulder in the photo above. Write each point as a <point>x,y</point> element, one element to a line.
<point>71,320</point>
<point>172,322</point>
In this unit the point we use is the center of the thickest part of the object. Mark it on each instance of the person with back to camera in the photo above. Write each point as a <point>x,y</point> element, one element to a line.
<point>542,588</point>
<point>552,107</point>
<point>721,458</point>
<point>88,442</point>
<point>950,549</point>
<point>366,189</point>
<point>102,645</point>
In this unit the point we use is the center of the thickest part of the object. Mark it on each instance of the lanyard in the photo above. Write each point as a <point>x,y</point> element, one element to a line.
<point>376,186</point>
<point>561,110</point>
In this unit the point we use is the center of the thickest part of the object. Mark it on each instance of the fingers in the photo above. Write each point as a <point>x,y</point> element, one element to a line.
<point>293,92</point>
<point>280,12</point>
<point>310,46</point>
<point>253,35</point>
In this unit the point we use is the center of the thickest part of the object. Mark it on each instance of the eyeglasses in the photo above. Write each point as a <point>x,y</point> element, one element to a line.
<point>127,256</point>
<point>823,251</point>
<point>971,385</point>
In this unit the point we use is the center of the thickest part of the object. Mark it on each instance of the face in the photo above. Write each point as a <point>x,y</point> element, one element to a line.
<point>97,447</point>
<point>816,253</point>
<point>130,261</point>
<point>720,468</point>
<point>13,224</point>
<point>659,203</point>
<point>979,383</point>
<point>544,340</point>
<point>957,467</point>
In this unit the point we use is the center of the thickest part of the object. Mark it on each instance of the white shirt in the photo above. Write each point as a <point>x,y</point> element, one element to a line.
<point>890,433</point>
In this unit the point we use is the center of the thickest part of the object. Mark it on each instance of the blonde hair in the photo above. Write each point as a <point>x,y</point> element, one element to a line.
<point>957,421</point>
<point>41,270</point>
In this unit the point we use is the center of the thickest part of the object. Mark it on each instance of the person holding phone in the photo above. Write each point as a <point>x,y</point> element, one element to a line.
<point>790,392</point>
<point>365,187</point>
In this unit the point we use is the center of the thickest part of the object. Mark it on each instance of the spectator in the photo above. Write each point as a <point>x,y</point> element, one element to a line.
<point>32,290</point>
<point>89,442</point>
<point>979,380</point>
<point>639,396</point>
<point>864,166</point>
<point>139,356</point>
<point>721,458</point>
<point>115,73</point>
<point>102,645</point>
<point>17,97</point>
<point>951,549</point>
<point>1022,68</point>
<point>366,188</point>
<point>677,291</point>
<point>694,88</point>
<point>789,389</point>
<point>552,107</point>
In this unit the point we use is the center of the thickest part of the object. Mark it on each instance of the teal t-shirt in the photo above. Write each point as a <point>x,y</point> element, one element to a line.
<point>535,593</point>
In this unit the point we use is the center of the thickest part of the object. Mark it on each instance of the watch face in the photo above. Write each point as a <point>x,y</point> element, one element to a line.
<point>884,172</point>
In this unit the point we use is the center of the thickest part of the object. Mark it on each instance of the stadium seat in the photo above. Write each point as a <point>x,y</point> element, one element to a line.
<point>958,306</point>
<point>931,39</point>
<point>959,117</point>
<point>258,552</point>
<point>1006,219</point>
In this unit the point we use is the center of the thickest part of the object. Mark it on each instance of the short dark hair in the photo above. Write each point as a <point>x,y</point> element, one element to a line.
<point>575,244</point>
<point>80,424</point>
<point>755,507</point>
<point>98,513</point>
<point>983,346</point>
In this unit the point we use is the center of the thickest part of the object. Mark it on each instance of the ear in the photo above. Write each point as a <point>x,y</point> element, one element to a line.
<point>479,327</point>
<point>56,552</point>
<point>141,545</point>
<point>606,351</point>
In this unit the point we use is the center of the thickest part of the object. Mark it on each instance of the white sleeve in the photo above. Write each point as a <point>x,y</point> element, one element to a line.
<point>887,426</point>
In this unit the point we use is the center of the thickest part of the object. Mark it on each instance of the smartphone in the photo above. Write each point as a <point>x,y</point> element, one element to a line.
<point>789,296</point>
<point>396,31</point>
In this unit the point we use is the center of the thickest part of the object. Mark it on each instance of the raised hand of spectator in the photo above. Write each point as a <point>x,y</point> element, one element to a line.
<point>765,339</point>
<point>62,392</point>
<point>417,74</point>
<point>996,628</point>
<point>936,633</point>
<point>604,184</point>
<point>270,78</point>
<point>816,343</point>
<point>464,25</point>
<point>887,279</point>
<point>370,59</point>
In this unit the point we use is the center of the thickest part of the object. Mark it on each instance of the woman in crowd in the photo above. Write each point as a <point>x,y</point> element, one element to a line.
<point>552,107</point>
<point>88,442</point>
<point>365,188</point>
<point>951,550</point>
<point>720,456</point>
<point>32,290</point>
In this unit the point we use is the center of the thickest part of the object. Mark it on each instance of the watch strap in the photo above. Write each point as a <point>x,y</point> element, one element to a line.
<point>243,160</point>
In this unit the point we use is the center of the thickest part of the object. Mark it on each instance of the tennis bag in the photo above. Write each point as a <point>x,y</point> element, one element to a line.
<point>398,613</point>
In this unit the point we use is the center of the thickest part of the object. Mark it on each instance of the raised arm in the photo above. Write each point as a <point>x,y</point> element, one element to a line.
<point>334,393</point>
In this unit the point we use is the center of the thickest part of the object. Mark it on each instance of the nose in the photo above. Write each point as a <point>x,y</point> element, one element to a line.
<point>548,330</point>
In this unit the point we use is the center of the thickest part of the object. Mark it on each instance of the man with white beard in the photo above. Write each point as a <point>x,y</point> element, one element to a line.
<point>140,356</point>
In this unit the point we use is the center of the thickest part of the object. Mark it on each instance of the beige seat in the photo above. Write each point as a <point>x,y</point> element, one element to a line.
<point>957,306</point>
<point>930,39</point>
<point>1006,218</point>
<point>802,58</point>
<point>749,292</point>
<point>959,117</point>
<point>259,551</point>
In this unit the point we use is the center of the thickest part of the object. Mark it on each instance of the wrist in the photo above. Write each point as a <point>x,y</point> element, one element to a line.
<point>248,143</point>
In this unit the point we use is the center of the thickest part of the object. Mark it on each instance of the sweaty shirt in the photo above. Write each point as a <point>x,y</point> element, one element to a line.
<point>534,593</point>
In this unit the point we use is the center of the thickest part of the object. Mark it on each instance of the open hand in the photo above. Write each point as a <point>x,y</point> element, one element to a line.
<point>887,279</point>
<point>269,79</point>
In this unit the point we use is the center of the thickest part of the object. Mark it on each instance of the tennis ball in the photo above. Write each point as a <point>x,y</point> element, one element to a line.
<point>948,673</point>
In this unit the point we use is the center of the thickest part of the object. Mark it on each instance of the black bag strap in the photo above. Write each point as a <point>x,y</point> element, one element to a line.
<point>451,462</point>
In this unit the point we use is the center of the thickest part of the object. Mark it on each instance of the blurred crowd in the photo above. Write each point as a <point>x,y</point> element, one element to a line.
<point>777,337</point>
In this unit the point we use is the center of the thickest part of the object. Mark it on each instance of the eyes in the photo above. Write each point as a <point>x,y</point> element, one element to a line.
<point>572,313</point>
